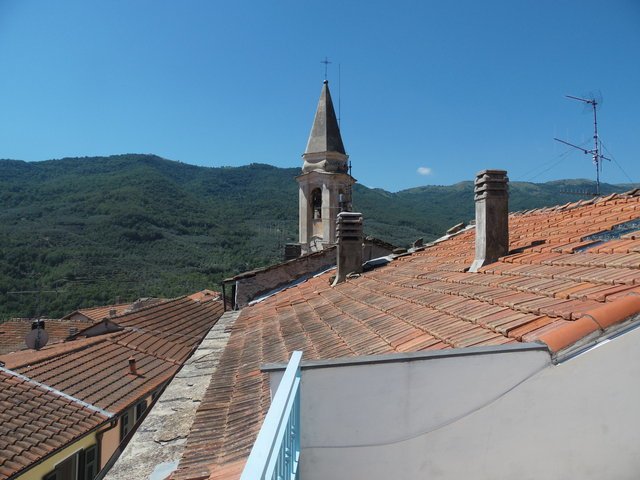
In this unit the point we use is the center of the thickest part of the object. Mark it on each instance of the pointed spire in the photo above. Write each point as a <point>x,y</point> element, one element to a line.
<point>325,133</point>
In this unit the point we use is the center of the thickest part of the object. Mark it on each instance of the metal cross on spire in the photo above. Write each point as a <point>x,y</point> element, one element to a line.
<point>326,63</point>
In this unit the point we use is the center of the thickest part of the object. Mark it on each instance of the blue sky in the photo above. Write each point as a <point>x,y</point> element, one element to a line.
<point>430,92</point>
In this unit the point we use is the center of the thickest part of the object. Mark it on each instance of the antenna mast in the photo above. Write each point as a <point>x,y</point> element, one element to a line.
<point>595,152</point>
<point>339,93</point>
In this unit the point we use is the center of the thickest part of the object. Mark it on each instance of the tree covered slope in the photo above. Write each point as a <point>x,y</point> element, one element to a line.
<point>82,231</point>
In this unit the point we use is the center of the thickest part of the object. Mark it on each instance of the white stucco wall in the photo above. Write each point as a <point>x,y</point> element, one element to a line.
<point>492,416</point>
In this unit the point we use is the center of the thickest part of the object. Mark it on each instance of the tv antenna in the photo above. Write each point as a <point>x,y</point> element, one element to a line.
<point>595,152</point>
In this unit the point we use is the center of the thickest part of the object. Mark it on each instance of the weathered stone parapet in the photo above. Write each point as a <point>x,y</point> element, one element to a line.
<point>492,217</point>
<point>159,442</point>
<point>251,285</point>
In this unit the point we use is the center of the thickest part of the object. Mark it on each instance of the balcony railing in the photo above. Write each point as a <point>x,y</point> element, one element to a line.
<point>276,452</point>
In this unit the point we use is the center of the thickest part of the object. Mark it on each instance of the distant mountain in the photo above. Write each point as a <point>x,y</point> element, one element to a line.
<point>77,232</point>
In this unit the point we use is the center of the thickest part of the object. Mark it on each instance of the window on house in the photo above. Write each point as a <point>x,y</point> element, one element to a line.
<point>141,406</point>
<point>91,462</point>
<point>82,465</point>
<point>65,470</point>
<point>125,424</point>
<point>316,203</point>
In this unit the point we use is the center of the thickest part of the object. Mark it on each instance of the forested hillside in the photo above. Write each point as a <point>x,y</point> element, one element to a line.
<point>82,231</point>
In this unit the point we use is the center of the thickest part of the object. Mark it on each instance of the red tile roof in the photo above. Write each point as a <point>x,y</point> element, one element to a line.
<point>204,295</point>
<point>43,393</point>
<point>548,289</point>
<point>97,314</point>
<point>98,373</point>
<point>14,332</point>
<point>36,422</point>
<point>96,369</point>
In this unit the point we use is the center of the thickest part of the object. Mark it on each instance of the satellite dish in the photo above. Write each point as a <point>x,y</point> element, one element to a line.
<point>37,338</point>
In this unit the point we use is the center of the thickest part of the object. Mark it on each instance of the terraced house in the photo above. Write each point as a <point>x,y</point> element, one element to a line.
<point>67,409</point>
<point>508,348</point>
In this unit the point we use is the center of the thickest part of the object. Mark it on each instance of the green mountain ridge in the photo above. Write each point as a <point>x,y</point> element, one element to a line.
<point>78,232</point>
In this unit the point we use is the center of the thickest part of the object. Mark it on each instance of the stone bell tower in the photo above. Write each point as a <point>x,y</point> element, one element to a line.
<point>325,183</point>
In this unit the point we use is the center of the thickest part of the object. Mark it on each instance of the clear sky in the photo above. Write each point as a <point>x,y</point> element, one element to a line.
<point>430,92</point>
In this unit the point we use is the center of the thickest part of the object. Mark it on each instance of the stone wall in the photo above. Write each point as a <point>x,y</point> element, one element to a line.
<point>250,285</point>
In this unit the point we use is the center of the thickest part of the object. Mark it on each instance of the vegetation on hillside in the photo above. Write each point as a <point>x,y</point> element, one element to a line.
<point>80,232</point>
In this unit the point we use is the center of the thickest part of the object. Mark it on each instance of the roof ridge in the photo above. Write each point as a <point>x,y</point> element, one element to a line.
<point>100,307</point>
<point>82,311</point>
<point>611,196</point>
<point>57,392</point>
<point>115,339</point>
<point>579,203</point>
<point>634,192</point>
<point>29,319</point>
<point>592,322</point>
<point>47,354</point>
<point>148,307</point>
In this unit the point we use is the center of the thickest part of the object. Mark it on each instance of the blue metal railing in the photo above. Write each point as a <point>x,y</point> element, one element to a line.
<point>276,452</point>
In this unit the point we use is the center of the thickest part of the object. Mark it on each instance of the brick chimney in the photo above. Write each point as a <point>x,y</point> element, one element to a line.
<point>349,237</point>
<point>132,366</point>
<point>492,217</point>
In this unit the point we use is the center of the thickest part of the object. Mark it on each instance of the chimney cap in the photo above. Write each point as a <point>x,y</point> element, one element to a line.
<point>491,171</point>
<point>350,214</point>
<point>349,239</point>
<point>132,366</point>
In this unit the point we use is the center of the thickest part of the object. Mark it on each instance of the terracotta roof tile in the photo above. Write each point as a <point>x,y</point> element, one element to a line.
<point>96,314</point>
<point>558,287</point>
<point>608,314</point>
<point>13,332</point>
<point>35,422</point>
<point>96,369</point>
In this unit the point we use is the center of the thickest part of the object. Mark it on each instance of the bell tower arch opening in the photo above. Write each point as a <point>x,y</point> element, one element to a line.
<point>316,203</point>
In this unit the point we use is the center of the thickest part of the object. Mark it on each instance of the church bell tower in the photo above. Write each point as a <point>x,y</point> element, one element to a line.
<point>325,183</point>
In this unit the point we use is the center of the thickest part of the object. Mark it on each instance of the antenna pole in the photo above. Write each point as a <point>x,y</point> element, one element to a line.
<point>339,93</point>
<point>595,153</point>
<point>596,146</point>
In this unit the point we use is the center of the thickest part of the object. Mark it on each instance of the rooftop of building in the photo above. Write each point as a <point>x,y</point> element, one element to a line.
<point>36,421</point>
<point>13,332</point>
<point>572,273</point>
<point>97,314</point>
<point>93,371</point>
